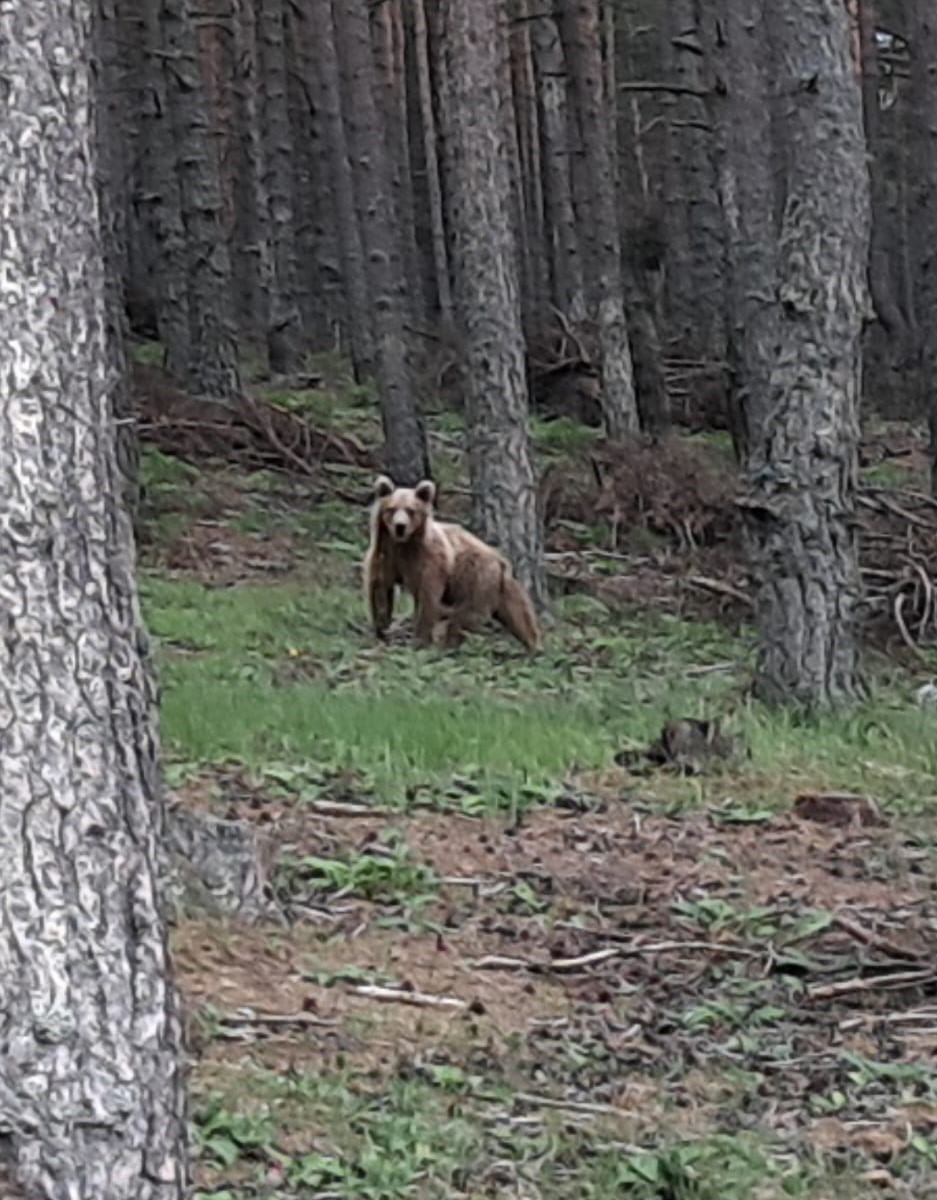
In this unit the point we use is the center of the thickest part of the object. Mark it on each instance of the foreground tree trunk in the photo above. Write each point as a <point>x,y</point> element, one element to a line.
<point>91,1094</point>
<point>800,510</point>
<point>486,291</point>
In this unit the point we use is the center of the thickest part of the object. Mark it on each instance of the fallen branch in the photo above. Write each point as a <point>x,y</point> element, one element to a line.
<point>250,1017</point>
<point>717,587</point>
<point>401,996</point>
<point>503,962</point>
<point>875,940</point>
<point>879,983</point>
<point>340,808</point>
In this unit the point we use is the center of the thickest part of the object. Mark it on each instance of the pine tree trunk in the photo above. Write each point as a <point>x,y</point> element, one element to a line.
<point>527,123</point>
<point>486,291</point>
<point>431,155</point>
<point>405,452</point>
<point>162,201</point>
<point>359,320</point>
<point>252,266</point>
<point>579,28</point>
<point>284,328</point>
<point>212,367</point>
<point>562,231</point>
<point>388,43</point>
<point>320,292</point>
<point>800,510</point>
<point>113,190</point>
<point>91,1092</point>
<point>923,107</point>
<point>739,45</point>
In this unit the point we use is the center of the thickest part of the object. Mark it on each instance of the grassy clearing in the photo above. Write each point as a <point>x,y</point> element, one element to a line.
<point>503,827</point>
<point>289,672</point>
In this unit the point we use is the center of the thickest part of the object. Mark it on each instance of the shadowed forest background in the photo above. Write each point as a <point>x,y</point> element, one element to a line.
<point>648,288</point>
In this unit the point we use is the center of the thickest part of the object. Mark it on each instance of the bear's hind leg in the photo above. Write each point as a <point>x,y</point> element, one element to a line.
<point>516,614</point>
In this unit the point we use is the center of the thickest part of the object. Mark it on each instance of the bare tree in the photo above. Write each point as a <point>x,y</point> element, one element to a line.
<point>486,290</point>
<point>580,31</point>
<point>800,508</point>
<point>91,1093</point>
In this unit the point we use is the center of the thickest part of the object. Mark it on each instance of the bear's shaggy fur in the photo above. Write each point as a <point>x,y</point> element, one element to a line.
<point>452,575</point>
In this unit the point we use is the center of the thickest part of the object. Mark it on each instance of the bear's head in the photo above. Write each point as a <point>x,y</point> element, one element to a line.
<point>403,512</point>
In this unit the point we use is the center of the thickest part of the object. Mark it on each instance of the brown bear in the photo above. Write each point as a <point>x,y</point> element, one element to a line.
<point>452,576</point>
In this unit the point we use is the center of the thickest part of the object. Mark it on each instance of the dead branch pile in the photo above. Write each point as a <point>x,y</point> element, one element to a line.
<point>250,432</point>
<point>687,495</point>
<point>898,551</point>
<point>670,489</point>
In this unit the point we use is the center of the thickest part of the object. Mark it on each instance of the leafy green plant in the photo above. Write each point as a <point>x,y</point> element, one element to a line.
<point>389,876</point>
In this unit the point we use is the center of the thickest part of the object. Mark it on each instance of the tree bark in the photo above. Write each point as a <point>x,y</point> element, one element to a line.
<point>252,267</point>
<point>91,1093</point>
<point>562,232</point>
<point>405,452</point>
<point>284,328</point>
<point>579,28</point>
<point>486,289</point>
<point>162,202</point>
<point>738,40</point>
<point>359,322</point>
<point>212,366</point>
<point>114,206</point>
<point>431,155</point>
<point>800,508</point>
<point>923,115</point>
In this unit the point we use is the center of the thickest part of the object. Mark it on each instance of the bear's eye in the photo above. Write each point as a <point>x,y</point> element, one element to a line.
<point>409,512</point>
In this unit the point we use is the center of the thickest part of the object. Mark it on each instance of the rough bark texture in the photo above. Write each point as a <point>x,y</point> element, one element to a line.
<point>405,453</point>
<point>560,217</point>
<point>739,45</point>
<point>251,211</point>
<point>91,1098</point>
<point>486,290</point>
<point>359,323</point>
<point>440,251</point>
<point>114,206</point>
<point>579,27</point>
<point>923,39</point>
<point>800,510</point>
<point>161,200</point>
<point>284,329</point>
<point>212,366</point>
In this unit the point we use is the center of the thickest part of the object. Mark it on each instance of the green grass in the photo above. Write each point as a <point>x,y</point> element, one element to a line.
<point>439,1131</point>
<point>284,678</point>
<point>290,672</point>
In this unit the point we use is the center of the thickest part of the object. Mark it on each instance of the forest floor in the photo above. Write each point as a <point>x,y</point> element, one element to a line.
<point>512,967</point>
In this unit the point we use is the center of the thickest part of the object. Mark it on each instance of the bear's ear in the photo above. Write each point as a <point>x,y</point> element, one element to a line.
<point>383,486</point>
<point>425,491</point>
